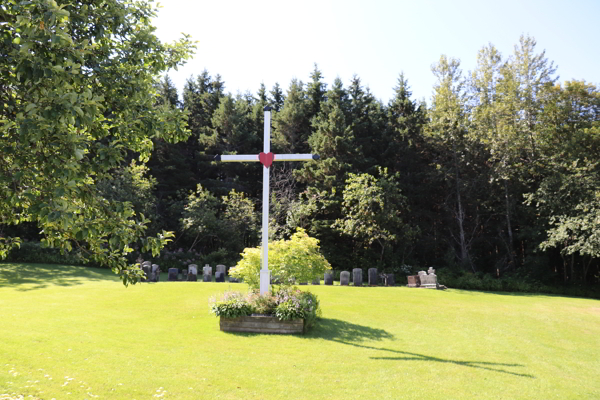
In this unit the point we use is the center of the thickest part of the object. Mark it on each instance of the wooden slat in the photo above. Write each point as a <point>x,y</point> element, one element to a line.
<point>260,325</point>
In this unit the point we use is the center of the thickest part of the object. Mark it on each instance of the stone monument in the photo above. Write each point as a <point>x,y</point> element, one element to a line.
<point>357,276</point>
<point>173,273</point>
<point>344,278</point>
<point>372,276</point>
<point>192,275</point>
<point>207,273</point>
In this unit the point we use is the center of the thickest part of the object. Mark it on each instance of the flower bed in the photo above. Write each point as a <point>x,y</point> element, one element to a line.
<point>287,310</point>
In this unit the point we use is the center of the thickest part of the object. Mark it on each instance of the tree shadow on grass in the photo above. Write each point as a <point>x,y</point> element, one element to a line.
<point>25,277</point>
<point>353,334</point>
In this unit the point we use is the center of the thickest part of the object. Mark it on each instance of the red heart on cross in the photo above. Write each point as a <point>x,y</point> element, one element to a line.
<point>266,159</point>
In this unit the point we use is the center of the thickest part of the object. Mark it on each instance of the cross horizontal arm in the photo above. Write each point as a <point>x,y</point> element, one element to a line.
<point>296,157</point>
<point>277,157</point>
<point>237,158</point>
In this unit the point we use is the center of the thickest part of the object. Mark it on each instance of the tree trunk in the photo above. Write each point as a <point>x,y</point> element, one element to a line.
<point>511,250</point>
<point>460,217</point>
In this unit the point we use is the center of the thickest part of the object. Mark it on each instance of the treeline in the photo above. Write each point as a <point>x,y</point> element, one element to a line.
<point>498,176</point>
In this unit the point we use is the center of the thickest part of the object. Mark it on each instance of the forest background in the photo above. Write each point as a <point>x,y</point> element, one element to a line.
<point>495,183</point>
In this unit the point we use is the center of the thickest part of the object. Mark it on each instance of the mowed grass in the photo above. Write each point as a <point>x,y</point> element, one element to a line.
<point>77,333</point>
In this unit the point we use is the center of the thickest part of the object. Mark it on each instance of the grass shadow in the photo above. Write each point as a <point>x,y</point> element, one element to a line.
<point>25,277</point>
<point>353,334</point>
<point>343,331</point>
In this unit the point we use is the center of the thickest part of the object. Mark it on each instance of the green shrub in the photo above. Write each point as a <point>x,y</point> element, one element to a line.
<point>232,305</point>
<point>297,259</point>
<point>35,252</point>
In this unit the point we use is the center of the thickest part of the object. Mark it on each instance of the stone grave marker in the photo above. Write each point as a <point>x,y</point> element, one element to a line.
<point>357,276</point>
<point>207,273</point>
<point>233,279</point>
<point>316,281</point>
<point>344,278</point>
<point>413,281</point>
<point>155,273</point>
<point>173,273</point>
<point>390,280</point>
<point>147,268</point>
<point>428,281</point>
<point>220,276</point>
<point>373,278</point>
<point>192,274</point>
<point>221,268</point>
<point>328,277</point>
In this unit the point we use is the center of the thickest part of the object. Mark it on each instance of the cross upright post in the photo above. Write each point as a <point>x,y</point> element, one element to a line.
<point>266,158</point>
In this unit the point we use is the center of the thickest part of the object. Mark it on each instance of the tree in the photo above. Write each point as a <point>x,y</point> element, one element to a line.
<point>291,125</point>
<point>373,211</point>
<point>78,87</point>
<point>448,127</point>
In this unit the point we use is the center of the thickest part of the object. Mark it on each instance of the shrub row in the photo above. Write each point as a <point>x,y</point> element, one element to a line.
<point>490,283</point>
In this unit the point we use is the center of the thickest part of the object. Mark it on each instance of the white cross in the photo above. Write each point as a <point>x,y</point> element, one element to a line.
<point>266,158</point>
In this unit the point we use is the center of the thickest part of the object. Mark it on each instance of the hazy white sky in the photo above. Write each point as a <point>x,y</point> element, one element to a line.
<point>249,42</point>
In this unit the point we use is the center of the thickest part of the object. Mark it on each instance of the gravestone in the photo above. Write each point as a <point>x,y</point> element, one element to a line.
<point>220,276</point>
<point>155,273</point>
<point>344,278</point>
<point>431,271</point>
<point>221,268</point>
<point>192,274</point>
<point>373,277</point>
<point>303,283</point>
<point>207,273</point>
<point>413,281</point>
<point>328,277</point>
<point>357,276</point>
<point>184,274</point>
<point>173,272</point>
<point>390,280</point>
<point>233,279</point>
<point>316,281</point>
<point>147,268</point>
<point>428,281</point>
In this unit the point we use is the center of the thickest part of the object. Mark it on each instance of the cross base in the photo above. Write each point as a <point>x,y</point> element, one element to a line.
<point>265,280</point>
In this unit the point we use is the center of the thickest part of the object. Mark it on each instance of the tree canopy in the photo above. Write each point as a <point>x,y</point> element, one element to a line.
<point>77,87</point>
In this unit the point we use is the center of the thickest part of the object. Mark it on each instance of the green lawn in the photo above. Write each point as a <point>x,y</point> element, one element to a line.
<point>78,333</point>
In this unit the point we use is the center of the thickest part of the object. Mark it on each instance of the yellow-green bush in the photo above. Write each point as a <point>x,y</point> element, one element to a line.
<point>297,259</point>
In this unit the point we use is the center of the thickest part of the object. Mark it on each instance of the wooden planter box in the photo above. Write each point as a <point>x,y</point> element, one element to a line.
<point>261,324</point>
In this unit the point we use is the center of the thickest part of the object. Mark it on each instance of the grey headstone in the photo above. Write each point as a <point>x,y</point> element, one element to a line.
<point>222,268</point>
<point>207,273</point>
<point>431,271</point>
<point>155,273</point>
<point>173,272</point>
<point>373,278</point>
<point>422,273</point>
<point>303,283</point>
<point>316,281</point>
<point>192,274</point>
<point>233,280</point>
<point>344,278</point>
<point>357,277</point>
<point>220,276</point>
<point>414,280</point>
<point>147,272</point>
<point>391,280</point>
<point>328,276</point>
<point>428,281</point>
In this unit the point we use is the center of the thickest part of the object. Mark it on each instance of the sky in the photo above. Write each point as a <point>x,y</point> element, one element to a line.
<point>253,42</point>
